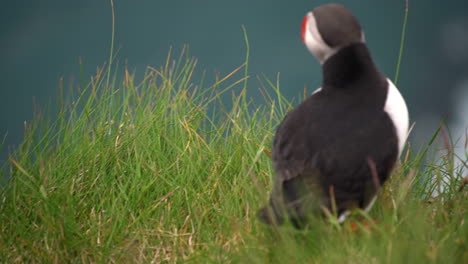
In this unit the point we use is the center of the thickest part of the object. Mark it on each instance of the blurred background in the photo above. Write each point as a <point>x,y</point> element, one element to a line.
<point>42,42</point>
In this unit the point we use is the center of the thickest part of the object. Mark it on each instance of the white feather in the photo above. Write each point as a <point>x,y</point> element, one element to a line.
<point>314,41</point>
<point>395,107</point>
<point>342,216</point>
<point>316,91</point>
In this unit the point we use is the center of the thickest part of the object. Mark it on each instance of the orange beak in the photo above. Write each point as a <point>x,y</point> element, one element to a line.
<point>304,28</point>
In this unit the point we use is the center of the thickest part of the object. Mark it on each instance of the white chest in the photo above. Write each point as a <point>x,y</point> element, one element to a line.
<point>395,107</point>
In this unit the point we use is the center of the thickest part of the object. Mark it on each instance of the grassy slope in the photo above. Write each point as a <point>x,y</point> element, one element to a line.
<point>160,171</point>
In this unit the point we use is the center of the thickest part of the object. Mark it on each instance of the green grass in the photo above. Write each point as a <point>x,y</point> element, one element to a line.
<point>161,171</point>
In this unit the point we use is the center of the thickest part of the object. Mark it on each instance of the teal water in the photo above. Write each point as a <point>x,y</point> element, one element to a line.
<point>43,41</point>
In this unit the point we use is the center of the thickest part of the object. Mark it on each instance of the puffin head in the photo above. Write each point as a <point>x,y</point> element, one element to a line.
<point>328,28</point>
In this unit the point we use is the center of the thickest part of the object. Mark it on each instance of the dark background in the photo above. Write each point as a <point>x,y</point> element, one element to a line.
<point>42,42</point>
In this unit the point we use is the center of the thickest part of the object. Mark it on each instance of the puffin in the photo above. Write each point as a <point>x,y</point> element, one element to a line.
<point>335,150</point>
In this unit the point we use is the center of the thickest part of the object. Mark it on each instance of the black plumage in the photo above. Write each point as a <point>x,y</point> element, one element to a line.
<point>327,145</point>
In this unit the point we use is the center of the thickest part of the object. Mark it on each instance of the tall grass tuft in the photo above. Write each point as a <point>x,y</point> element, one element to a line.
<point>159,171</point>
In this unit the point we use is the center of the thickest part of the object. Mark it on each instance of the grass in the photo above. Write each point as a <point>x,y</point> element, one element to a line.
<point>161,171</point>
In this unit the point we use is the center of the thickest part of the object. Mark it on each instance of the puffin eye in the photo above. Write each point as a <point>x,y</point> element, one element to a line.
<point>304,28</point>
